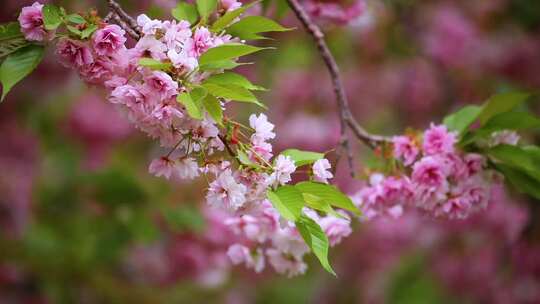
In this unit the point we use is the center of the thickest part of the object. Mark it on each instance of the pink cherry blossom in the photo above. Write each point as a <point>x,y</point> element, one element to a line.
<point>230,5</point>
<point>335,228</point>
<point>226,193</point>
<point>31,21</point>
<point>241,254</point>
<point>437,139</point>
<point>506,137</point>
<point>320,170</point>
<point>282,170</point>
<point>74,54</point>
<point>176,34</point>
<point>286,264</point>
<point>162,166</point>
<point>200,43</point>
<point>187,168</point>
<point>182,60</point>
<point>109,40</point>
<point>263,128</point>
<point>405,149</point>
<point>160,84</point>
<point>149,26</point>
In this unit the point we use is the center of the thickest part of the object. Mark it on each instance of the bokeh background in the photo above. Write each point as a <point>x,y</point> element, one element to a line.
<point>82,221</point>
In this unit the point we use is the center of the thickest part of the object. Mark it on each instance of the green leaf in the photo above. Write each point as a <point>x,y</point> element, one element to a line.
<point>249,27</point>
<point>220,65</point>
<point>227,51</point>
<point>10,30</point>
<point>229,17</point>
<point>233,78</point>
<point>232,92</point>
<point>88,31</point>
<point>302,158</point>
<point>462,119</point>
<point>526,160</point>
<point>329,194</point>
<point>18,65</point>
<point>501,103</point>
<point>76,18</point>
<point>213,107</point>
<point>154,64</point>
<point>10,46</point>
<point>288,201</point>
<point>185,11</point>
<point>245,160</point>
<point>52,16</point>
<point>74,30</point>
<point>511,121</point>
<point>206,7</point>
<point>520,180</point>
<point>317,203</point>
<point>316,240</point>
<point>192,106</point>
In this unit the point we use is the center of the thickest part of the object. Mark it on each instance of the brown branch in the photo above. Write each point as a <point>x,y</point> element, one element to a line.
<point>227,146</point>
<point>124,19</point>
<point>346,118</point>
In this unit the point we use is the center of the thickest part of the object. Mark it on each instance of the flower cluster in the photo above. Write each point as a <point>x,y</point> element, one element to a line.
<point>438,178</point>
<point>149,96</point>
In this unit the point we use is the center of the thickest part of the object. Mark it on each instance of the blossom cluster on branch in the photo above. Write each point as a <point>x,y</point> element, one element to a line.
<point>173,84</point>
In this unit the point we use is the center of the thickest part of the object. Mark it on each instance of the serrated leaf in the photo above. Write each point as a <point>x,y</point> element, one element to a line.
<point>316,240</point>
<point>229,17</point>
<point>462,119</point>
<point>227,51</point>
<point>154,64</point>
<point>185,11</point>
<point>233,78</point>
<point>213,107</point>
<point>501,103</point>
<point>206,7</point>
<point>76,18</point>
<point>52,16</point>
<point>302,158</point>
<point>525,160</point>
<point>12,45</point>
<point>192,107</point>
<point>520,180</point>
<point>249,27</point>
<point>288,201</point>
<point>10,30</point>
<point>18,65</point>
<point>232,92</point>
<point>329,194</point>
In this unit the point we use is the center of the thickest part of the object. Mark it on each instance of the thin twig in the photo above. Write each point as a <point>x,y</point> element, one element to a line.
<point>108,17</point>
<point>346,118</point>
<point>125,20</point>
<point>226,144</point>
<point>125,26</point>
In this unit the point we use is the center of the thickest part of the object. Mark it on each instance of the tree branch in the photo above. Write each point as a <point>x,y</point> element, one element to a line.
<point>346,118</point>
<point>124,20</point>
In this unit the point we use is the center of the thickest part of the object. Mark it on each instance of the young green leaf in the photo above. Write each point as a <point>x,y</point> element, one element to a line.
<point>249,27</point>
<point>317,203</point>
<point>501,103</point>
<point>302,158</point>
<point>462,119</point>
<point>233,78</point>
<point>10,30</point>
<point>227,51</point>
<point>18,65</point>
<point>206,7</point>
<point>52,16</point>
<point>329,194</point>
<point>154,64</point>
<point>88,31</point>
<point>520,180</point>
<point>232,92</point>
<point>213,107</point>
<point>12,45</point>
<point>76,18</point>
<point>245,160</point>
<point>185,11</point>
<point>316,240</point>
<point>228,17</point>
<point>288,201</point>
<point>192,106</point>
<point>220,65</point>
<point>525,160</point>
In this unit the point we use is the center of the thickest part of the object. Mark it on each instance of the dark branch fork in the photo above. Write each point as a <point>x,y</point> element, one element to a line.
<point>346,118</point>
<point>123,19</point>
